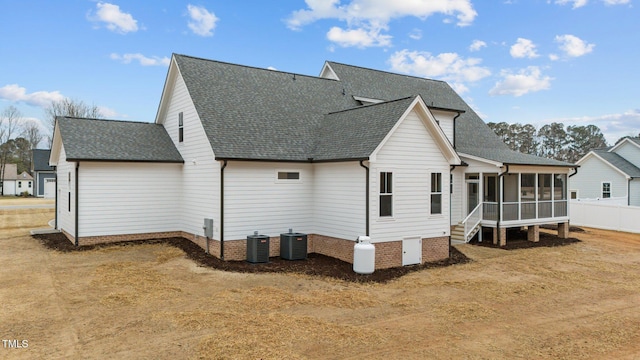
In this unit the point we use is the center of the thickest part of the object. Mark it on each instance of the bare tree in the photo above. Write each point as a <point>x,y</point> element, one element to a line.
<point>31,132</point>
<point>8,125</point>
<point>72,108</point>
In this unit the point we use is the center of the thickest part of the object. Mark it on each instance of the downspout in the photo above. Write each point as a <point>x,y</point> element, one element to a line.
<point>454,129</point>
<point>55,175</point>
<point>629,191</point>
<point>224,165</point>
<point>77,212</point>
<point>366,206</point>
<point>500,195</point>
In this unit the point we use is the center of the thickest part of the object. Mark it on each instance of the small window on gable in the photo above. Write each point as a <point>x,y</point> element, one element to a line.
<point>180,127</point>
<point>606,190</point>
<point>288,175</point>
<point>574,194</point>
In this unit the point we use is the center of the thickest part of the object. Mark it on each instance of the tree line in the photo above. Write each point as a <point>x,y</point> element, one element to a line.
<point>18,136</point>
<point>554,141</point>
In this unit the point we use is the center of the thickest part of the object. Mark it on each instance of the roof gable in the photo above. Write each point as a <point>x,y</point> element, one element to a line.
<point>432,127</point>
<point>633,142</point>
<point>472,135</point>
<point>10,172</point>
<point>614,161</point>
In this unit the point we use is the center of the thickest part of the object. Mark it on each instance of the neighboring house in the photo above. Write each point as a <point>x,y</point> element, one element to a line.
<point>44,174</point>
<point>14,183</point>
<point>352,152</point>
<point>610,175</point>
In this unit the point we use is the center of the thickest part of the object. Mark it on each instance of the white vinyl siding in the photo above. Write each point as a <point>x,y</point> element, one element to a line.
<point>128,198</point>
<point>630,152</point>
<point>255,200</point>
<point>411,154</point>
<point>200,187</point>
<point>339,200</point>
<point>445,120</point>
<point>66,193</point>
<point>592,173</point>
<point>634,187</point>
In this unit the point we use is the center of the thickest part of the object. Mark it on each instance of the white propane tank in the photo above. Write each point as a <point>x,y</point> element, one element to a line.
<point>364,256</point>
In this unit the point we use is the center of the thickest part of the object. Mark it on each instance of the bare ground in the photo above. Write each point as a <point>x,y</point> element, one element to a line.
<point>579,301</point>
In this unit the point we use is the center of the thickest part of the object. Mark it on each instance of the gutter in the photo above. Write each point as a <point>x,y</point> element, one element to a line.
<point>55,174</point>
<point>366,206</point>
<point>76,209</point>
<point>224,165</point>
<point>501,186</point>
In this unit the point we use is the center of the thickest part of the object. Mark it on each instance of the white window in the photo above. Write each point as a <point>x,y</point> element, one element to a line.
<point>436,193</point>
<point>386,194</point>
<point>288,175</point>
<point>19,184</point>
<point>606,190</point>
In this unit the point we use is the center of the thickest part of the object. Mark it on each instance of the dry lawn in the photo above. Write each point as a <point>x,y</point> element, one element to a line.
<point>149,302</point>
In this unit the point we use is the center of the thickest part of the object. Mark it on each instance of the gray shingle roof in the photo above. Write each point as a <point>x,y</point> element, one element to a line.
<point>619,162</point>
<point>260,114</point>
<point>111,140</point>
<point>251,113</point>
<point>473,136</point>
<point>41,160</point>
<point>355,133</point>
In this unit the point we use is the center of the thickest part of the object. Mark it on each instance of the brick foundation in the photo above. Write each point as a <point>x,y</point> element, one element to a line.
<point>533,233</point>
<point>563,230</point>
<point>435,249</point>
<point>502,236</point>
<point>388,254</point>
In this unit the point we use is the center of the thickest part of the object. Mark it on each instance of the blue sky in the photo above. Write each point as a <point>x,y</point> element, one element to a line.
<point>537,62</point>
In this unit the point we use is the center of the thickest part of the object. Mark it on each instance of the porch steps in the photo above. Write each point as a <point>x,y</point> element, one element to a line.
<point>457,234</point>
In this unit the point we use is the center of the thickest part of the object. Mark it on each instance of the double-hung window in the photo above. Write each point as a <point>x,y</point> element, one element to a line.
<point>606,190</point>
<point>386,194</point>
<point>436,193</point>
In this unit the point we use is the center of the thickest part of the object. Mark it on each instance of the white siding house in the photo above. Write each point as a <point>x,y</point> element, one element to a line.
<point>610,175</point>
<point>268,151</point>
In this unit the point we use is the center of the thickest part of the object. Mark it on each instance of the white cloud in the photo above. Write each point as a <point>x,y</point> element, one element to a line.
<point>616,2</point>
<point>573,46</point>
<point>576,3</point>
<point>143,60</point>
<point>416,34</point>
<point>115,19</point>
<point>476,45</point>
<point>202,21</point>
<point>446,66</point>
<point>526,80</point>
<point>358,37</point>
<point>523,48</point>
<point>16,93</point>
<point>372,16</point>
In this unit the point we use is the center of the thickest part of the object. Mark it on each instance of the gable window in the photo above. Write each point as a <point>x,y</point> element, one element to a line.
<point>606,190</point>
<point>436,193</point>
<point>180,127</point>
<point>386,194</point>
<point>288,175</point>
<point>574,194</point>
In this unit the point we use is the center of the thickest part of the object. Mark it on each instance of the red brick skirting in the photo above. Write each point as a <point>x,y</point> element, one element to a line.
<point>388,254</point>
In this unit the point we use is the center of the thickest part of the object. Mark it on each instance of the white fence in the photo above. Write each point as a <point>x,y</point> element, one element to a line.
<point>605,216</point>
<point>622,200</point>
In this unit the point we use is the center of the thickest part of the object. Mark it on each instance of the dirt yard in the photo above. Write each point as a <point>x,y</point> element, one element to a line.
<point>149,301</point>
